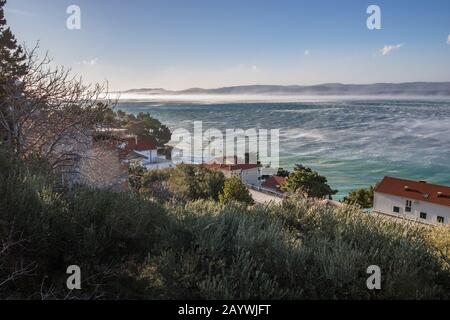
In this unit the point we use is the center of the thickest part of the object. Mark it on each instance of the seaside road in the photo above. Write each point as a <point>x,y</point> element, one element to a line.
<point>264,198</point>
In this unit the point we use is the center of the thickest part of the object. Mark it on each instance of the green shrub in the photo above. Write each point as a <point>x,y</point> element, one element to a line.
<point>302,250</point>
<point>192,182</point>
<point>307,181</point>
<point>363,198</point>
<point>235,190</point>
<point>130,248</point>
<point>47,228</point>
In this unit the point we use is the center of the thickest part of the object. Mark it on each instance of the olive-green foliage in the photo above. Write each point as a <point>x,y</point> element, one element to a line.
<point>135,174</point>
<point>129,248</point>
<point>235,190</point>
<point>47,228</point>
<point>145,125</point>
<point>283,173</point>
<point>13,67</point>
<point>302,250</point>
<point>183,183</point>
<point>154,185</point>
<point>305,180</point>
<point>142,124</point>
<point>192,182</point>
<point>362,198</point>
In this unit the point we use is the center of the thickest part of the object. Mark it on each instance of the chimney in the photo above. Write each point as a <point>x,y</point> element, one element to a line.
<point>235,160</point>
<point>247,158</point>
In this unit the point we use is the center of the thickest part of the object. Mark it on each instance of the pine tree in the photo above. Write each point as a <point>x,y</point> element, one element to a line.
<point>13,68</point>
<point>12,56</point>
<point>308,182</point>
<point>360,197</point>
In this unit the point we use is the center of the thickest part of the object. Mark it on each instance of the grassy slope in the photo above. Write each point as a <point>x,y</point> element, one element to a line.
<point>128,248</point>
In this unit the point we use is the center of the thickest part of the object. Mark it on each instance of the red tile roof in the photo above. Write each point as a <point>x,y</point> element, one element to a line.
<point>140,144</point>
<point>223,160</point>
<point>274,182</point>
<point>230,167</point>
<point>136,144</point>
<point>416,190</point>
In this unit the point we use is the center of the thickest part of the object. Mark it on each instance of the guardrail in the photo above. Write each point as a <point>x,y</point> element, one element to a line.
<point>264,190</point>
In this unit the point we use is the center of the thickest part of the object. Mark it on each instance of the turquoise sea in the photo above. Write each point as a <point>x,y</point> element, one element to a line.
<point>354,143</point>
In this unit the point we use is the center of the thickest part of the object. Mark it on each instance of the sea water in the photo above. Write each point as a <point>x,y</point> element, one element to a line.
<point>353,142</point>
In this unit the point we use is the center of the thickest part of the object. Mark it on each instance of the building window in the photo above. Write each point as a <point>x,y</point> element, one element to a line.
<point>440,219</point>
<point>423,215</point>
<point>408,206</point>
<point>397,209</point>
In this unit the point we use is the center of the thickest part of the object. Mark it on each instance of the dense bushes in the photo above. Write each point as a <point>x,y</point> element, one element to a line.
<point>362,197</point>
<point>235,190</point>
<point>184,183</point>
<point>191,182</point>
<point>300,251</point>
<point>44,229</point>
<point>307,181</point>
<point>129,248</point>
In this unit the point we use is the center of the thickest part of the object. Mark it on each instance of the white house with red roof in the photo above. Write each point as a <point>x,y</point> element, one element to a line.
<point>415,200</point>
<point>144,152</point>
<point>143,146</point>
<point>249,173</point>
<point>274,184</point>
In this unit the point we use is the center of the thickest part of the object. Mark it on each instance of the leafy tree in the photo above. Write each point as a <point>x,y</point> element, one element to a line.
<point>192,182</point>
<point>107,116</point>
<point>282,173</point>
<point>235,190</point>
<point>305,180</point>
<point>147,126</point>
<point>154,185</point>
<point>185,182</point>
<point>44,111</point>
<point>362,197</point>
<point>211,183</point>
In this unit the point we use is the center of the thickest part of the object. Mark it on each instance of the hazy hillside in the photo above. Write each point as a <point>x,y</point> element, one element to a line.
<point>409,88</point>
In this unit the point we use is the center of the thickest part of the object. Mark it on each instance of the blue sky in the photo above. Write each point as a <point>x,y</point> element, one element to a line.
<point>178,44</point>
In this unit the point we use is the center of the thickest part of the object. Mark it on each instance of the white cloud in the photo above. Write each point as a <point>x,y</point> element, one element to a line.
<point>448,39</point>
<point>388,49</point>
<point>306,53</point>
<point>243,68</point>
<point>89,63</point>
<point>92,62</point>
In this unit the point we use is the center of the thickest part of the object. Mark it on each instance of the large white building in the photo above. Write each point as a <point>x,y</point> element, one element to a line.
<point>414,200</point>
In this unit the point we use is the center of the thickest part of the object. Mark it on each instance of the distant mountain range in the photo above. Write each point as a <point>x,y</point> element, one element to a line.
<point>389,89</point>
